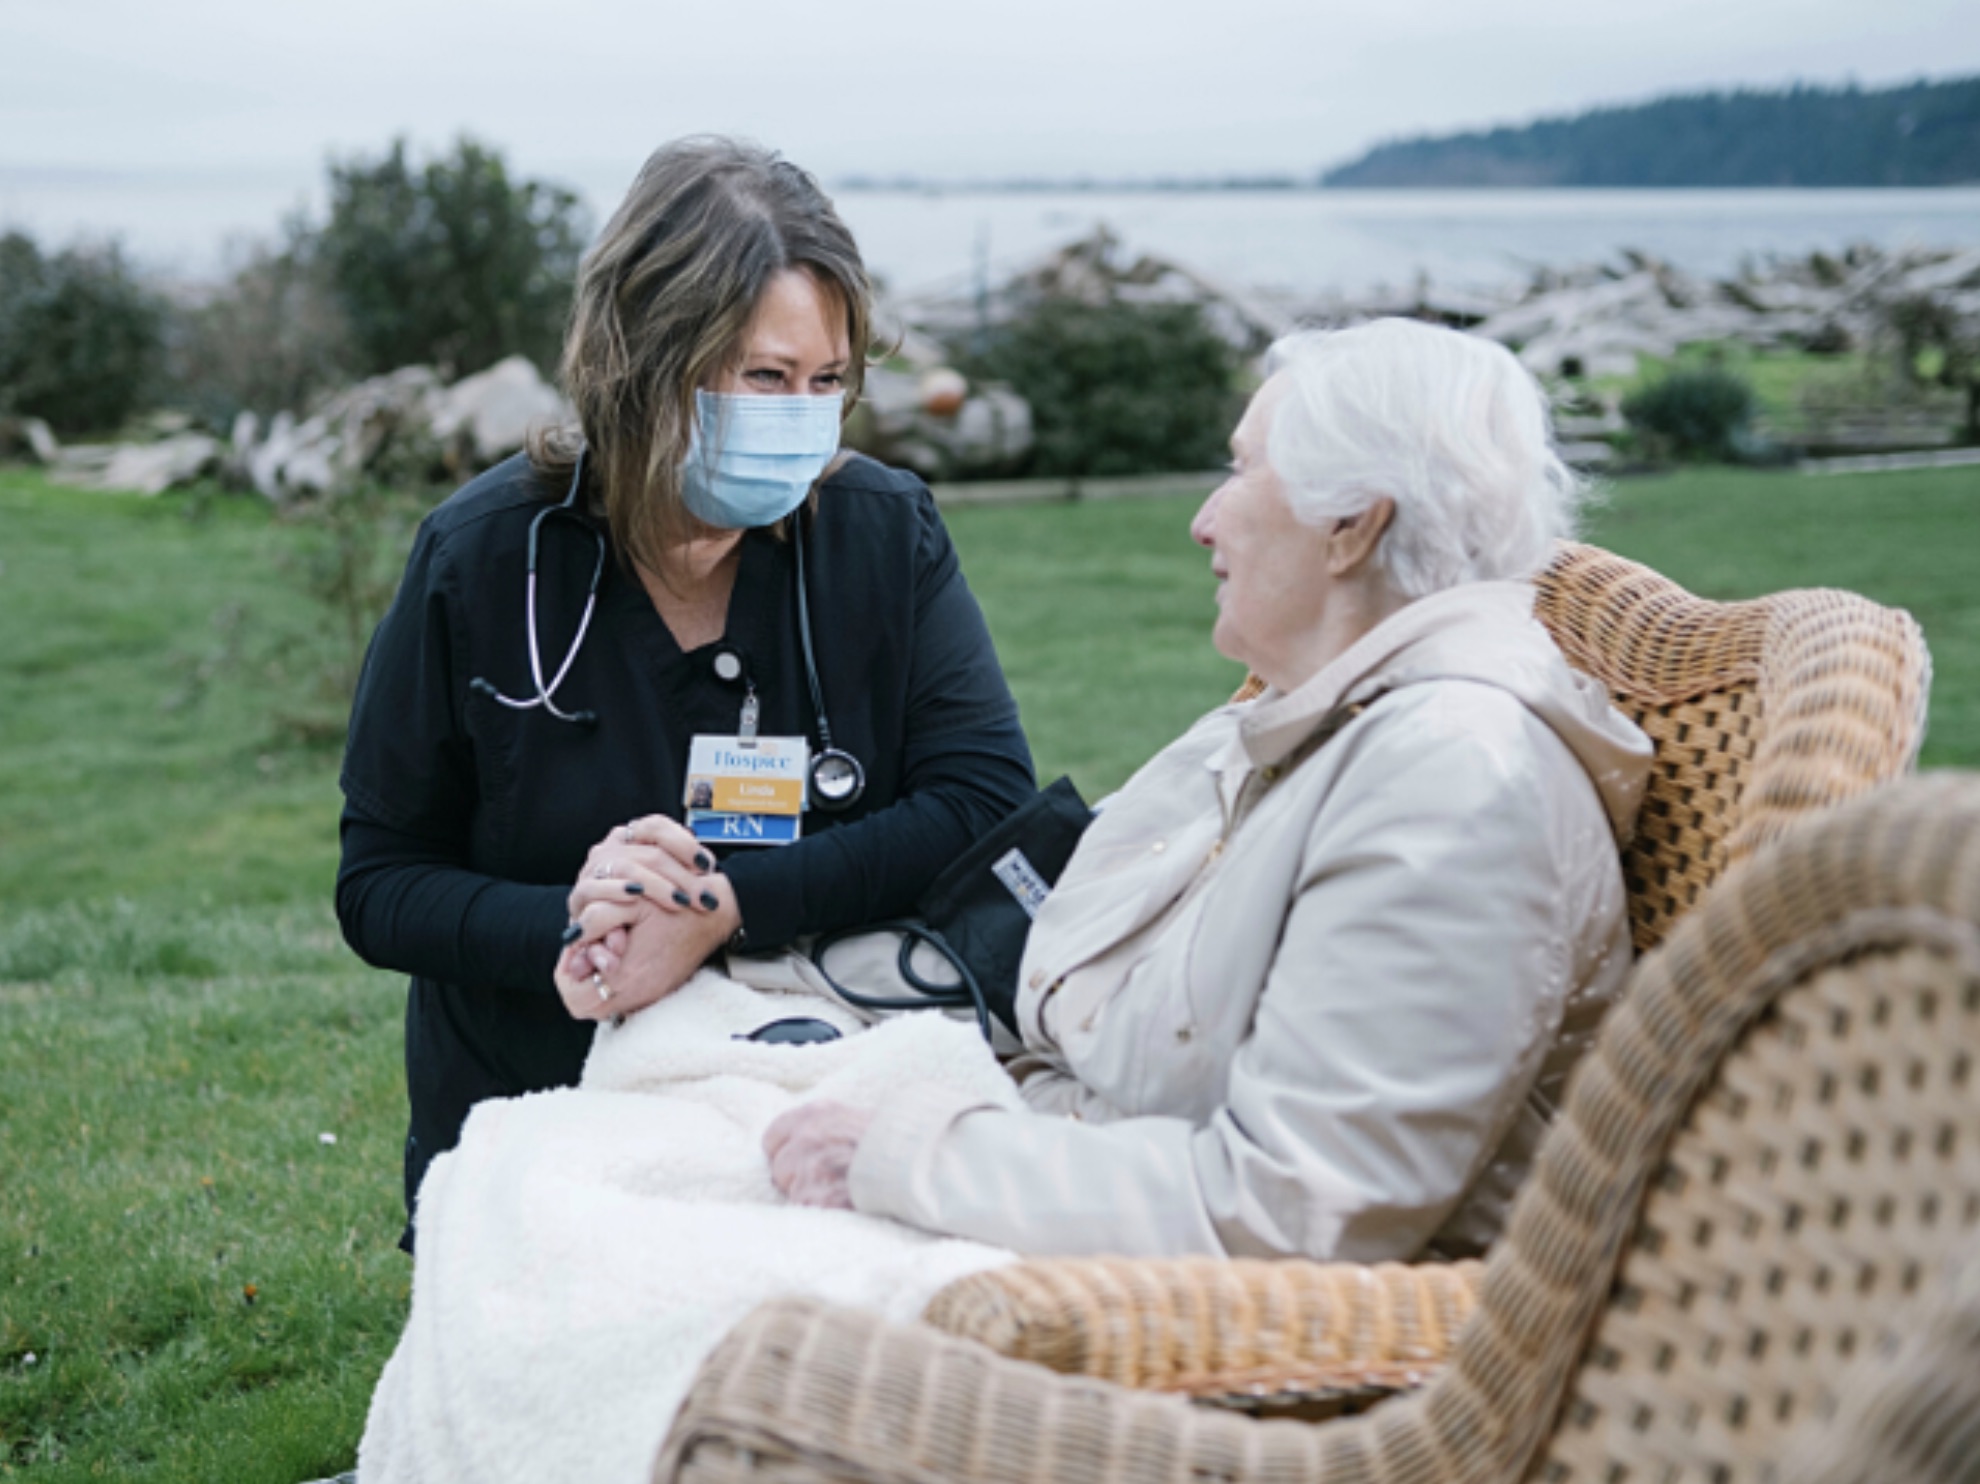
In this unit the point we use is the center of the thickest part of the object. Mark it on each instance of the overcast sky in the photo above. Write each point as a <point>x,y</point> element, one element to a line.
<point>1023,86</point>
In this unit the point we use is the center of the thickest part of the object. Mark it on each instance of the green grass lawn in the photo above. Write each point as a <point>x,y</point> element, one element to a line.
<point>207,1288</point>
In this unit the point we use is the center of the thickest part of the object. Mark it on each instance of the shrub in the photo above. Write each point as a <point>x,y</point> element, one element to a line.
<point>348,564</point>
<point>1692,412</point>
<point>1116,388</point>
<point>269,338</point>
<point>450,264</point>
<point>81,339</point>
<point>1937,338</point>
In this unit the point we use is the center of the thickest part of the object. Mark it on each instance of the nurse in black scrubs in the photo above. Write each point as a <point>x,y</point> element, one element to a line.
<point>693,560</point>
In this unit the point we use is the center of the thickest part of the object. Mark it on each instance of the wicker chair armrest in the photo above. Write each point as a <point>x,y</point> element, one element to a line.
<point>800,1391</point>
<point>1212,1327</point>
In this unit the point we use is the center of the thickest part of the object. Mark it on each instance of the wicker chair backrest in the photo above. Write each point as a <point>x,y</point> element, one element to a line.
<point>1760,711</point>
<point>1773,1148</point>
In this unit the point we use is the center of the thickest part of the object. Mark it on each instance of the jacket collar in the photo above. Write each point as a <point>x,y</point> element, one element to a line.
<point>1279,721</point>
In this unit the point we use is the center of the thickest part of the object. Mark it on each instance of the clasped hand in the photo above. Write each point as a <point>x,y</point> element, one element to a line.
<point>648,909</point>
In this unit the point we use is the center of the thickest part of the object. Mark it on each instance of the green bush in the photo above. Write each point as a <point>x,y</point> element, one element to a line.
<point>452,263</point>
<point>1116,388</point>
<point>81,339</point>
<point>1692,412</point>
<point>1937,339</point>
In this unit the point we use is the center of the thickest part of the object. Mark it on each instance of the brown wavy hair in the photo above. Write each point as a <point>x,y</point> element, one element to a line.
<point>664,298</point>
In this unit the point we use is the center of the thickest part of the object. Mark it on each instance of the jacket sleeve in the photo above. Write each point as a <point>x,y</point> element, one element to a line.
<point>405,897</point>
<point>965,766</point>
<point>1417,982</point>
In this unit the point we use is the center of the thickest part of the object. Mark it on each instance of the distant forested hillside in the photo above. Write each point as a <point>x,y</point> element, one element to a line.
<point>1917,135</point>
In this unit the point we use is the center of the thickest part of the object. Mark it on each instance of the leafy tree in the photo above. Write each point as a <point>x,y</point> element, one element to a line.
<point>81,338</point>
<point>269,338</point>
<point>1116,388</point>
<point>1937,339</point>
<point>451,263</point>
<point>1924,133</point>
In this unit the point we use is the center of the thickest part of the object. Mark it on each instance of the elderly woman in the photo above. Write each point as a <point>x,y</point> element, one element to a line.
<point>1313,979</point>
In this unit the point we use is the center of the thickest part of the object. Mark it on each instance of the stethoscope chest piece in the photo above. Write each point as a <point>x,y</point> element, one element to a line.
<point>837,779</point>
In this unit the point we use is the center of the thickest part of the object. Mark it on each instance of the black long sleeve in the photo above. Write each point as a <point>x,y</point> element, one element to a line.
<point>404,907</point>
<point>467,819</point>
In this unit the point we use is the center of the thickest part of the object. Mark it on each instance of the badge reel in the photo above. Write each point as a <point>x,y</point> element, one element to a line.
<point>837,779</point>
<point>745,788</point>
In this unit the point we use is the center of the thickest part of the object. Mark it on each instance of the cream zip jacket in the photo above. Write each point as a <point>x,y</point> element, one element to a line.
<point>1314,978</point>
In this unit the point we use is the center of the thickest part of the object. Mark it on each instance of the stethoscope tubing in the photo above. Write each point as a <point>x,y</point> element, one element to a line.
<point>545,694</point>
<point>545,697</point>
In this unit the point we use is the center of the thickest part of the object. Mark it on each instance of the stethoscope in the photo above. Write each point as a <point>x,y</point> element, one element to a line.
<point>837,779</point>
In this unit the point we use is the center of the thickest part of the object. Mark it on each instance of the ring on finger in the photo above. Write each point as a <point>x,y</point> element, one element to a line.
<point>598,983</point>
<point>604,870</point>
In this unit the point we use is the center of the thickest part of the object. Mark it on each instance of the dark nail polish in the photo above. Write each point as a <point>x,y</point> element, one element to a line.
<point>681,899</point>
<point>708,901</point>
<point>633,888</point>
<point>703,861</point>
<point>574,932</point>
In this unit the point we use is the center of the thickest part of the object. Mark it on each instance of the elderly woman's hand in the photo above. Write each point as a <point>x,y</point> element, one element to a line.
<point>628,953</point>
<point>811,1151</point>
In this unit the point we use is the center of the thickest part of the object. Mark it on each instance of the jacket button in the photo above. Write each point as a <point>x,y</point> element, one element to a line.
<point>1184,1032</point>
<point>1037,977</point>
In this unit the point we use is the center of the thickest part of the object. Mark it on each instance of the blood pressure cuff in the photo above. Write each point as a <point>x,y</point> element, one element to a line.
<point>984,903</point>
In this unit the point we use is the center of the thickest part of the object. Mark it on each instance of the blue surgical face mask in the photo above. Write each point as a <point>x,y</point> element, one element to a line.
<point>752,459</point>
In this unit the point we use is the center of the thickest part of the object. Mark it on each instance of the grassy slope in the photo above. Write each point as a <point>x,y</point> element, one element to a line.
<point>122,770</point>
<point>178,1024</point>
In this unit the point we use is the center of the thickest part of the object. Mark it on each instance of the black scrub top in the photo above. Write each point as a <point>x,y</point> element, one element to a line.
<point>465,821</point>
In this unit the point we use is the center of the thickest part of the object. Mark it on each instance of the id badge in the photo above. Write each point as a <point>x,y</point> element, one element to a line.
<point>746,794</point>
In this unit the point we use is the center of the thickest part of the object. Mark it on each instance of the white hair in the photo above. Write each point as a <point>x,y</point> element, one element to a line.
<point>1449,426</point>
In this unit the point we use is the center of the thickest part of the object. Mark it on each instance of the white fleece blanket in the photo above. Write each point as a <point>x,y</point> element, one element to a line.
<point>581,1251</point>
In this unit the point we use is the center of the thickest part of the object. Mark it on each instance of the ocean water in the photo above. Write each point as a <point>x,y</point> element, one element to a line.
<point>1311,244</point>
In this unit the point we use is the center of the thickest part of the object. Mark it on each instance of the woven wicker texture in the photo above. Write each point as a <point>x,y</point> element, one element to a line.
<point>1773,1147</point>
<point>1210,1327</point>
<point>1913,1415</point>
<point>1761,712</point>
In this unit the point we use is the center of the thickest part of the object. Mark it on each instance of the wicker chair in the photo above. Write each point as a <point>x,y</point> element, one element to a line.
<point>1761,712</point>
<point>1759,1179</point>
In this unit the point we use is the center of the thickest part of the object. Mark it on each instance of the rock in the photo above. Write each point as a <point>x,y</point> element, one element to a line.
<point>349,438</point>
<point>989,432</point>
<point>29,438</point>
<point>153,468</point>
<point>484,418</point>
<point>145,468</point>
<point>1094,270</point>
<point>943,391</point>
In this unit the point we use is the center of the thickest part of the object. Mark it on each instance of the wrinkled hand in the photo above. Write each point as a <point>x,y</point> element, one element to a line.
<point>649,909</point>
<point>811,1151</point>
